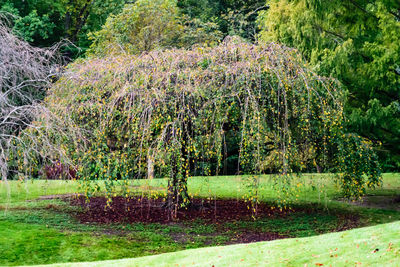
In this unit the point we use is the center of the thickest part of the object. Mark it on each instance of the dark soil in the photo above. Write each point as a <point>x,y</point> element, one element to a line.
<point>245,236</point>
<point>136,209</point>
<point>386,202</point>
<point>61,196</point>
<point>249,237</point>
<point>216,212</point>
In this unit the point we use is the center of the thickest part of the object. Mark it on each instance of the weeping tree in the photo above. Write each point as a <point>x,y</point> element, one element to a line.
<point>26,73</point>
<point>179,105</point>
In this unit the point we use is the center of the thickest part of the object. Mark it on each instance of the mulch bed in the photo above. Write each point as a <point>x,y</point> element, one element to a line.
<point>137,209</point>
<point>144,210</point>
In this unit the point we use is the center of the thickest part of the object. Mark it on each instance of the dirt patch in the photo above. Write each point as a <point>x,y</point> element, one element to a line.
<point>249,237</point>
<point>147,188</point>
<point>215,212</point>
<point>347,221</point>
<point>60,196</point>
<point>239,238</point>
<point>180,237</point>
<point>137,209</point>
<point>378,202</point>
<point>13,208</point>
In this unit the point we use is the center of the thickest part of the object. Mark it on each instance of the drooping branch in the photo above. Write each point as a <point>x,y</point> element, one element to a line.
<point>181,105</point>
<point>26,73</point>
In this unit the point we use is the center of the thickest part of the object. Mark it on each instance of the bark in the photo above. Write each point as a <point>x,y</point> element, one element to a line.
<point>150,164</point>
<point>81,20</point>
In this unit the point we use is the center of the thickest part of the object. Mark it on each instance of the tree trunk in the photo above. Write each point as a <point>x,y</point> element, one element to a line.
<point>150,164</point>
<point>178,196</point>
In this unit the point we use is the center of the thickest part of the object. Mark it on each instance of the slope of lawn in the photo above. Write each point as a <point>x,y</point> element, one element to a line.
<point>44,231</point>
<point>371,246</point>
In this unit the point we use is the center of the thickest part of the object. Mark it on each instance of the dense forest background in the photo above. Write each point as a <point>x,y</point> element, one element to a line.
<point>354,41</point>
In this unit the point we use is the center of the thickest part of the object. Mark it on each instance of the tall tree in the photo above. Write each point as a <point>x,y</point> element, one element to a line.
<point>234,17</point>
<point>44,22</point>
<point>150,24</point>
<point>180,104</point>
<point>38,22</point>
<point>358,42</point>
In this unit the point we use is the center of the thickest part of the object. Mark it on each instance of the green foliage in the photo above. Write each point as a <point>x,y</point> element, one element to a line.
<point>32,27</point>
<point>141,26</point>
<point>195,31</point>
<point>44,22</point>
<point>96,16</point>
<point>357,42</point>
<point>234,17</point>
<point>201,21</point>
<point>147,25</point>
<point>360,168</point>
<point>179,105</point>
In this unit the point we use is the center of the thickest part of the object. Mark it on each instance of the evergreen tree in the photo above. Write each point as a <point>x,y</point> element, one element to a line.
<point>358,42</point>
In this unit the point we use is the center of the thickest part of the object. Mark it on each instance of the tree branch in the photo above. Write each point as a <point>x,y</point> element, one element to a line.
<point>354,3</point>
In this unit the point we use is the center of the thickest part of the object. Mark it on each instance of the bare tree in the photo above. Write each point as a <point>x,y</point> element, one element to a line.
<point>26,73</point>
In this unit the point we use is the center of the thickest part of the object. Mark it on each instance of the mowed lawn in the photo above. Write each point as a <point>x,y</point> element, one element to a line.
<point>43,231</point>
<point>370,246</point>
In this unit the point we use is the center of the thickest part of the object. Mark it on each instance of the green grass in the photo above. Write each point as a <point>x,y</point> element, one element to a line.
<point>370,246</point>
<point>32,189</point>
<point>37,243</point>
<point>36,234</point>
<point>44,231</point>
<point>310,188</point>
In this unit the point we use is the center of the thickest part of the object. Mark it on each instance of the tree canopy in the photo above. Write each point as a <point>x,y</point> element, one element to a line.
<point>357,42</point>
<point>146,25</point>
<point>43,22</point>
<point>181,105</point>
<point>153,92</point>
<point>233,17</point>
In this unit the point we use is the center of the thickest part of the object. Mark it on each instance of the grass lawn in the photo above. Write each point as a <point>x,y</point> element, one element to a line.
<point>45,231</point>
<point>371,246</point>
